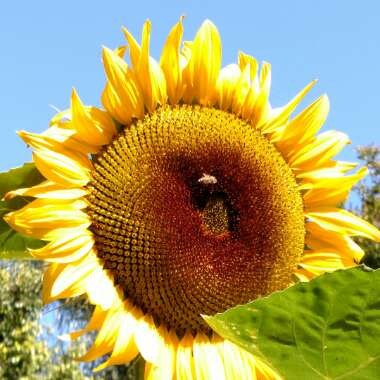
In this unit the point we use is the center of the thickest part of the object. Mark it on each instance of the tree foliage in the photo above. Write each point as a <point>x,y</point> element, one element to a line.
<point>369,193</point>
<point>26,350</point>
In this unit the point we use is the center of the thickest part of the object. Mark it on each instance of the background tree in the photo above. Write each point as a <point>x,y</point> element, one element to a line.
<point>29,345</point>
<point>369,194</point>
<point>24,354</point>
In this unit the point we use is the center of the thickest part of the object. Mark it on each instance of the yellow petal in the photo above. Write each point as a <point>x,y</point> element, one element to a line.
<point>170,63</point>
<point>318,263</point>
<point>134,48</point>
<point>71,281</point>
<point>45,142</point>
<point>49,190</point>
<point>342,221</point>
<point>150,75</point>
<point>281,115</point>
<point>67,169</point>
<point>101,290</point>
<point>49,276</point>
<point>114,104</point>
<point>303,128</point>
<point>245,60</point>
<point>261,107</point>
<point>148,72</point>
<point>321,150</point>
<point>122,96</point>
<point>204,64</point>
<point>332,191</point>
<point>207,359</point>
<point>185,362</point>
<point>165,369</point>
<point>247,107</point>
<point>243,94</point>
<point>92,125</point>
<point>95,323</point>
<point>245,99</point>
<point>125,348</point>
<point>235,364</point>
<point>70,248</point>
<point>44,219</point>
<point>226,85</point>
<point>185,54</point>
<point>61,117</point>
<point>106,337</point>
<point>320,239</point>
<point>148,340</point>
<point>332,169</point>
<point>64,133</point>
<point>120,51</point>
<point>263,372</point>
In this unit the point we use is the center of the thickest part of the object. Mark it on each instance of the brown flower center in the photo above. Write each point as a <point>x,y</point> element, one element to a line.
<point>193,212</point>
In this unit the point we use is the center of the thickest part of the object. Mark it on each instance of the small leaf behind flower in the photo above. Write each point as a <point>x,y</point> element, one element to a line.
<point>14,245</point>
<point>328,328</point>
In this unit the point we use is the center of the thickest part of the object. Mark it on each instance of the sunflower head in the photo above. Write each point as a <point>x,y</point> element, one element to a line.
<point>186,195</point>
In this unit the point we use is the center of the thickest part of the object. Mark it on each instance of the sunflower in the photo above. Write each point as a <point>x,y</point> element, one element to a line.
<point>186,195</point>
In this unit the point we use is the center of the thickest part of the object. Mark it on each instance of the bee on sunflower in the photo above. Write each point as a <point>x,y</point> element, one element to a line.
<point>186,195</point>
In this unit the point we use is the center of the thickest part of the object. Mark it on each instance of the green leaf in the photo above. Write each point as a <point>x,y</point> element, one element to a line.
<point>24,176</point>
<point>328,328</point>
<point>14,245</point>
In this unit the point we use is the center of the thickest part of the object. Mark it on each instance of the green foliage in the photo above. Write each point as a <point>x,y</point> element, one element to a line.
<point>14,245</point>
<point>328,328</point>
<point>369,193</point>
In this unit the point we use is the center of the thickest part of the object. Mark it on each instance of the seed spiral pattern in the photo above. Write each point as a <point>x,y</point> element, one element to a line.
<point>193,212</point>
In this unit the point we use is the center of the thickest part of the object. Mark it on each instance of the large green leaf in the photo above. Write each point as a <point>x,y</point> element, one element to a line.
<point>328,328</point>
<point>14,245</point>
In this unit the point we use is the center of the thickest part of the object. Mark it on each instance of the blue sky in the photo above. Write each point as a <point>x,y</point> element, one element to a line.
<point>48,47</point>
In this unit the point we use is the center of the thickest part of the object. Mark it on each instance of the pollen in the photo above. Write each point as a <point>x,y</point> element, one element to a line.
<point>193,212</point>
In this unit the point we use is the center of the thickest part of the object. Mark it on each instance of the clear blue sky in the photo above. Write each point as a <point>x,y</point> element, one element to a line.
<point>47,47</point>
